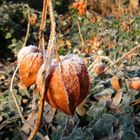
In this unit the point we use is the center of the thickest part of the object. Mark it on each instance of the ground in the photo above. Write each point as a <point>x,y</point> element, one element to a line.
<point>102,34</point>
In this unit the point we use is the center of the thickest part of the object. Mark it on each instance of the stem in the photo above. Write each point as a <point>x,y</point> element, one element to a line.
<point>17,105</point>
<point>42,26</point>
<point>28,27</point>
<point>46,70</point>
<point>96,60</point>
<point>12,80</point>
<point>124,56</point>
<point>136,102</point>
<point>14,96</point>
<point>52,40</point>
<point>57,55</point>
<point>81,37</point>
<point>121,58</point>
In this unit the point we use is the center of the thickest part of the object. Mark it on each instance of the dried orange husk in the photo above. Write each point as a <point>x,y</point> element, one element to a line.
<point>135,83</point>
<point>30,60</point>
<point>116,83</point>
<point>99,68</point>
<point>68,84</point>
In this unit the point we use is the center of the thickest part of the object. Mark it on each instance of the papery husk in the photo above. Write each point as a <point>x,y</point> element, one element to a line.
<point>68,84</point>
<point>30,60</point>
<point>135,83</point>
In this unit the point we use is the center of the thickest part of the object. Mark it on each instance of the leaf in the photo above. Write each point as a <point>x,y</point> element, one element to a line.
<point>60,118</point>
<point>81,109</point>
<point>128,135</point>
<point>105,95</point>
<point>57,135</point>
<point>104,126</point>
<point>125,120</point>
<point>8,35</point>
<point>87,135</point>
<point>76,134</point>
<point>117,98</point>
<point>12,103</point>
<point>96,110</point>
<point>23,92</point>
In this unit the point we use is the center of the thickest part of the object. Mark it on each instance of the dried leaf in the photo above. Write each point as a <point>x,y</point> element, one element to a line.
<point>117,98</point>
<point>105,95</point>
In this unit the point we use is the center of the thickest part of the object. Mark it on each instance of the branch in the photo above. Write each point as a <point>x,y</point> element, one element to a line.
<point>14,96</point>
<point>42,26</point>
<point>120,59</point>
<point>81,37</point>
<point>46,70</point>
<point>28,27</point>
<point>124,56</point>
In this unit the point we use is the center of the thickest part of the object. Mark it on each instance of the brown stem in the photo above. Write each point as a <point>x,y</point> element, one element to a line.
<point>14,96</point>
<point>17,105</point>
<point>57,55</point>
<point>52,40</point>
<point>42,25</point>
<point>120,59</point>
<point>40,112</point>
<point>46,70</point>
<point>80,34</point>
<point>124,56</point>
<point>28,27</point>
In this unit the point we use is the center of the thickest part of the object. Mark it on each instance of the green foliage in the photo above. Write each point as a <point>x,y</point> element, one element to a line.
<point>96,110</point>
<point>13,27</point>
<point>7,105</point>
<point>104,126</point>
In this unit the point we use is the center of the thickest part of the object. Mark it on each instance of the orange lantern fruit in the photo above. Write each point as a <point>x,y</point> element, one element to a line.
<point>116,83</point>
<point>30,60</point>
<point>135,83</point>
<point>68,84</point>
<point>99,68</point>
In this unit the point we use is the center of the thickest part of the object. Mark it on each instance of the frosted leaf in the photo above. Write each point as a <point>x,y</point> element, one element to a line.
<point>27,50</point>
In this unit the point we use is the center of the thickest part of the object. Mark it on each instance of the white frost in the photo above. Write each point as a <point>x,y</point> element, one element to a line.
<point>27,50</point>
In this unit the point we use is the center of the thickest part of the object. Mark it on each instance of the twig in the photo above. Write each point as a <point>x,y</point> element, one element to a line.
<point>11,84</point>
<point>14,96</point>
<point>136,102</point>
<point>28,27</point>
<point>42,47</point>
<point>124,56</point>
<point>17,105</point>
<point>46,70</point>
<point>9,121</point>
<point>96,60</point>
<point>57,55</point>
<point>119,59</point>
<point>42,26</point>
<point>81,37</point>
<point>13,76</point>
